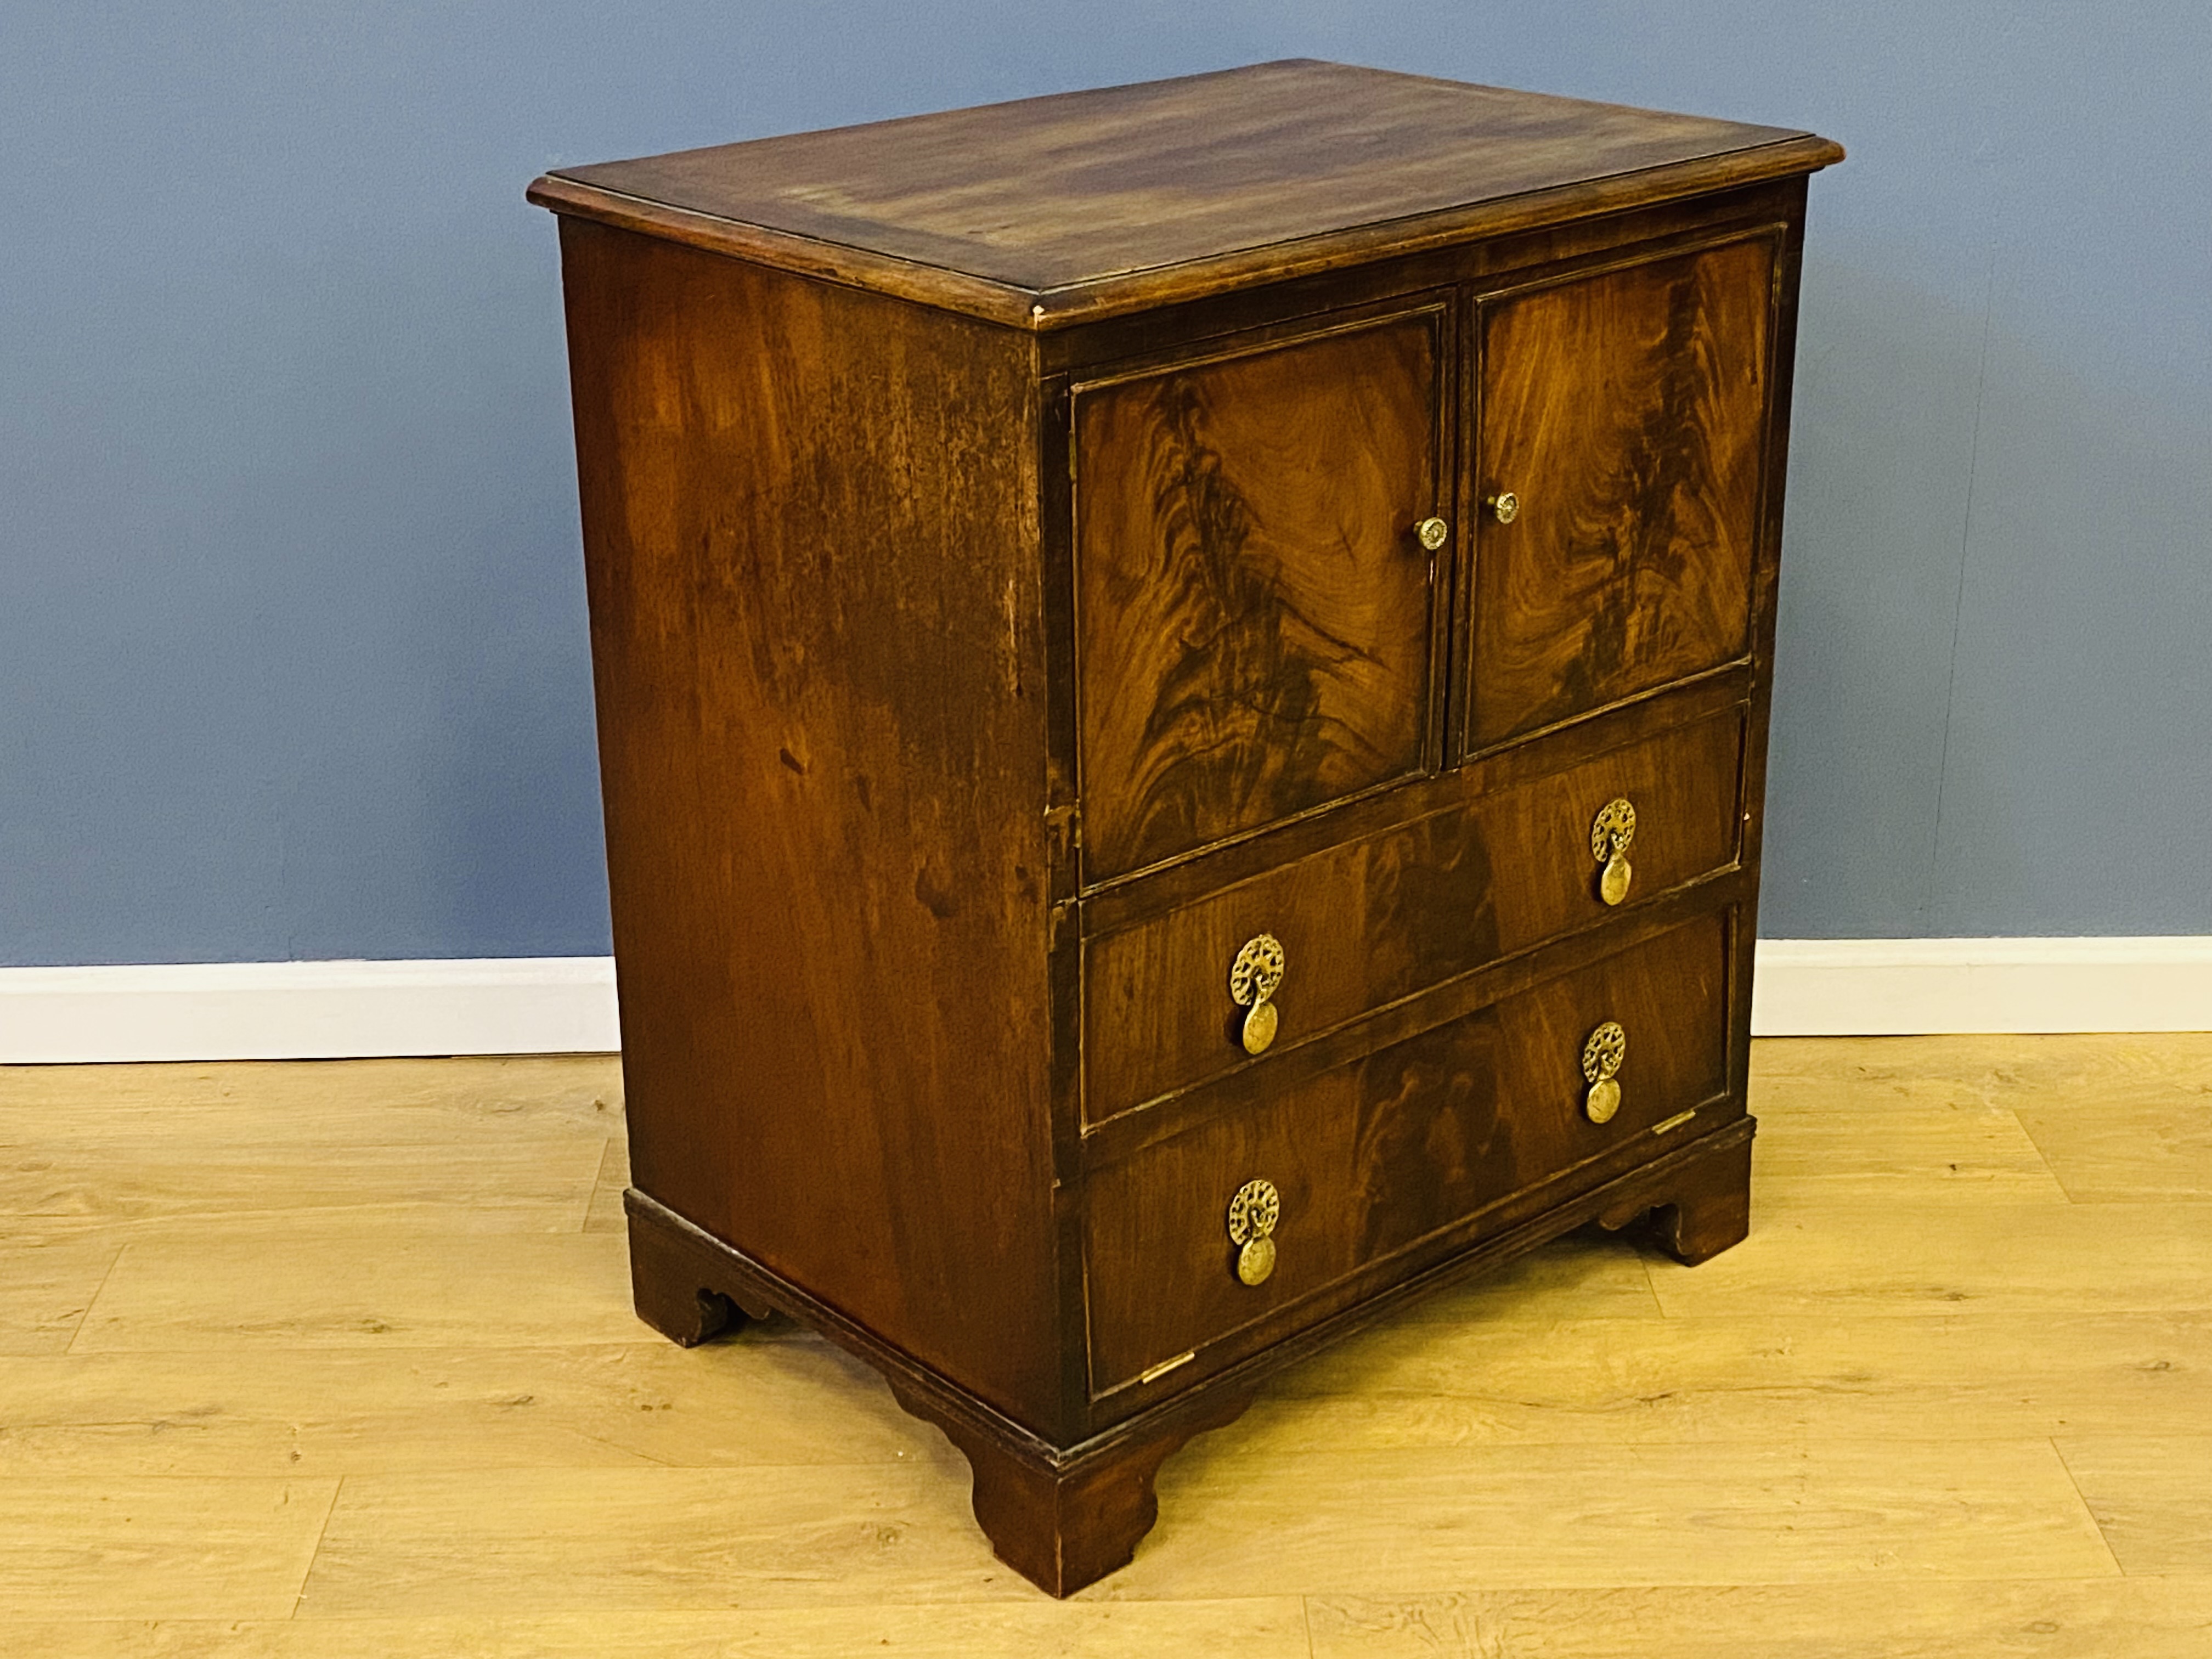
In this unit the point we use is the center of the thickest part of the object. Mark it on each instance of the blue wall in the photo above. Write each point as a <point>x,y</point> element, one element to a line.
<point>292,643</point>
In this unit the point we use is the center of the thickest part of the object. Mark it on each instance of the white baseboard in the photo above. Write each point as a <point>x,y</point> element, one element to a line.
<point>565,1005</point>
<point>308,1010</point>
<point>1916,986</point>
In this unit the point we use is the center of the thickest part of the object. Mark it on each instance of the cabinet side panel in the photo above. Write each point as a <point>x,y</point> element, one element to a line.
<point>810,526</point>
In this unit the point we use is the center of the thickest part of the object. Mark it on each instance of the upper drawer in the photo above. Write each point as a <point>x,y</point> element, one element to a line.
<point>1382,1156</point>
<point>1366,922</point>
<point>1625,412</point>
<point>1257,609</point>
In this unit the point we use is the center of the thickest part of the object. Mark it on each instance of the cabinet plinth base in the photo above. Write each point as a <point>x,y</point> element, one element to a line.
<point>1064,1525</point>
<point>1703,1209</point>
<point>1064,1517</point>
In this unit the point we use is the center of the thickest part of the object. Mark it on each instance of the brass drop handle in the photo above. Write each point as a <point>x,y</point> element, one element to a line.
<point>1601,1056</point>
<point>1252,979</point>
<point>1611,831</point>
<point>1252,1217</point>
<point>1505,506</point>
<point>1432,532</point>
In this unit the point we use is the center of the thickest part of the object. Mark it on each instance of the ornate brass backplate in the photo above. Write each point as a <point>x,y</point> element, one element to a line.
<point>1252,979</point>
<point>1601,1056</point>
<point>1611,832</point>
<point>1252,1217</point>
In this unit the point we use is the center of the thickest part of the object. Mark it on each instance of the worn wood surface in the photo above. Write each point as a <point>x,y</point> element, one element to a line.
<point>1424,902</point>
<point>1626,411</point>
<point>1090,201</point>
<point>1254,614</point>
<point>1378,1155</point>
<point>1552,1463</point>
<point>809,522</point>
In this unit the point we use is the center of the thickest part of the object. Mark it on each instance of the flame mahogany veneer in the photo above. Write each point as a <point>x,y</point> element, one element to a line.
<point>1008,535</point>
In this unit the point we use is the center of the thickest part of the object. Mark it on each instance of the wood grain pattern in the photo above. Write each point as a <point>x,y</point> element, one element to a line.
<point>1422,902</point>
<point>306,1410</point>
<point>1923,1255</point>
<point>538,1540</point>
<point>809,529</point>
<point>985,1630</point>
<point>1748,1380</point>
<point>1047,203</point>
<point>1890,1617</point>
<point>1377,1156</point>
<point>1567,1516</point>
<point>1254,613</point>
<point>332,1291</point>
<point>2152,1495</point>
<point>157,1549</point>
<point>1838,1139</point>
<point>1627,412</point>
<point>472,1101</point>
<point>46,1286</point>
<point>1860,1480</point>
<point>915,636</point>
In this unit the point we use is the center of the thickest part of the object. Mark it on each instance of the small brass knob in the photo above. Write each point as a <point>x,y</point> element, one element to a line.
<point>1611,832</point>
<point>1432,532</point>
<point>1252,979</point>
<point>1601,1056</point>
<point>1252,1217</point>
<point>1505,507</point>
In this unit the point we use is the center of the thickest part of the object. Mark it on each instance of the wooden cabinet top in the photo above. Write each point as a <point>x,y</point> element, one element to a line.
<point>1087,205</point>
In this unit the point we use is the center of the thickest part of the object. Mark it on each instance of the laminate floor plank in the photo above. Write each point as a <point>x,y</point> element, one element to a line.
<point>45,1286</point>
<point>1374,1521</point>
<point>317,1412</point>
<point>116,1188</point>
<point>296,1289</point>
<point>2157,1145</point>
<point>1806,1256</point>
<point>1954,1396</point>
<point>155,1549</point>
<point>1883,1619</point>
<point>604,1213</point>
<point>1035,1629</point>
<point>1910,1138</point>
<point>2152,1495</point>
<point>1749,1380</point>
<point>464,1101</point>
<point>589,1541</point>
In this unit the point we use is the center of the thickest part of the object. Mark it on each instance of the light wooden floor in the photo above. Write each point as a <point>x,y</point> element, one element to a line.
<point>326,1361</point>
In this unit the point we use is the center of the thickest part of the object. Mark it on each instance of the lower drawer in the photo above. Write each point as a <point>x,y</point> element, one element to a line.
<point>1367,1161</point>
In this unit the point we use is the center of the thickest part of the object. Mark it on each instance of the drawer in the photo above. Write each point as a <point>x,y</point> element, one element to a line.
<point>1380,918</point>
<point>1374,1157</point>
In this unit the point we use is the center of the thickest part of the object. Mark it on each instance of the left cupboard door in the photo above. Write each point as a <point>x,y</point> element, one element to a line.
<point>1258,539</point>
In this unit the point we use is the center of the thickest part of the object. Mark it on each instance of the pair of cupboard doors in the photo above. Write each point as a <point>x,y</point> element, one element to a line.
<point>1322,558</point>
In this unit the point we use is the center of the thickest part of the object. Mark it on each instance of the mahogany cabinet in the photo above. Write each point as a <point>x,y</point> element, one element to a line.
<point>1182,679</point>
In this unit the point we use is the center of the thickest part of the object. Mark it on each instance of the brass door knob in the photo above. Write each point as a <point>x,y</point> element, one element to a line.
<point>1505,507</point>
<point>1252,979</point>
<point>1611,831</point>
<point>1432,532</point>
<point>1252,1217</point>
<point>1601,1056</point>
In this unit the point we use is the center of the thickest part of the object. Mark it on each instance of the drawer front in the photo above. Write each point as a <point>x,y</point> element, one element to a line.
<point>1370,1158</point>
<point>1377,919</point>
<point>1624,413</point>
<point>1255,606</point>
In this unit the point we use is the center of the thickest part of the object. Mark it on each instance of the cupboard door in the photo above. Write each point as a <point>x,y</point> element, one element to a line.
<point>1255,606</point>
<point>1624,415</point>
